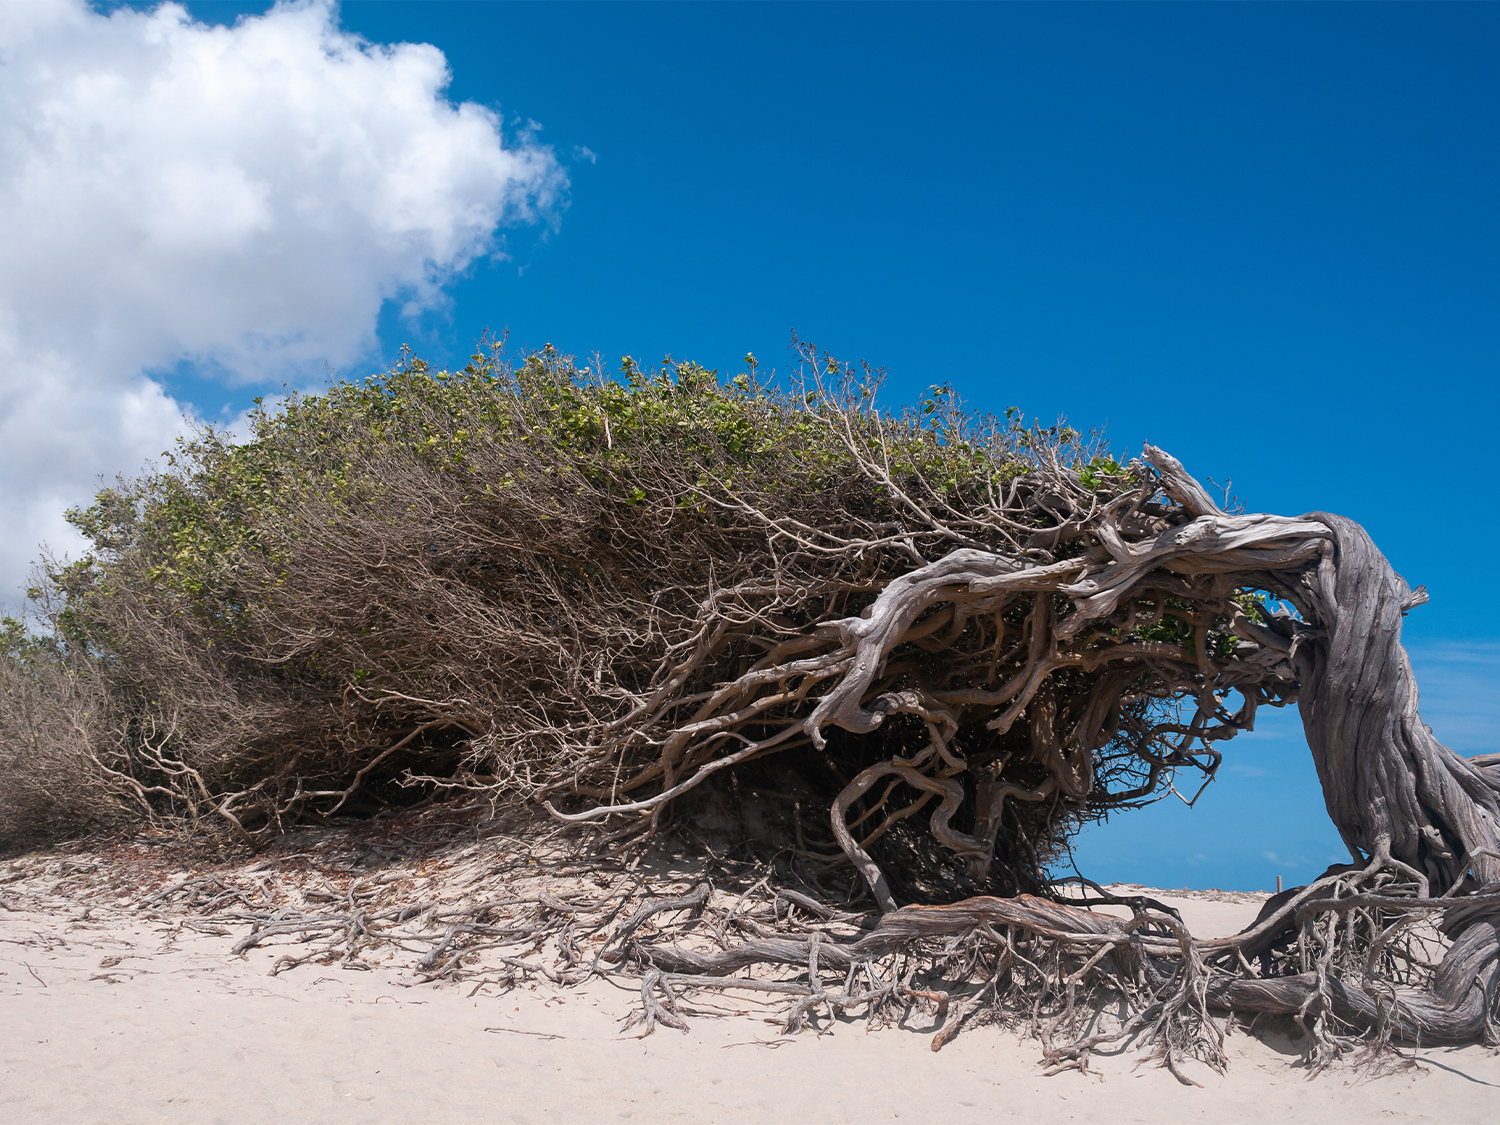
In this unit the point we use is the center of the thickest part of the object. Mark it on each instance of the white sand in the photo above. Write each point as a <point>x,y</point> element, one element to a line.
<point>1207,914</point>
<point>177,1030</point>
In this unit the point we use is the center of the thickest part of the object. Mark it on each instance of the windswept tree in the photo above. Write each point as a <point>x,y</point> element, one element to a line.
<point>943,640</point>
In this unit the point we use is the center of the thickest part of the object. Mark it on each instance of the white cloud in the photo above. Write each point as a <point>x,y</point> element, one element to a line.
<point>244,197</point>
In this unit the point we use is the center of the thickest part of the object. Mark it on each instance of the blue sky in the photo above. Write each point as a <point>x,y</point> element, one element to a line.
<point>1262,236</point>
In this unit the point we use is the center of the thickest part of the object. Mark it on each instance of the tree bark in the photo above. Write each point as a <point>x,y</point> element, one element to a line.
<point>1391,788</point>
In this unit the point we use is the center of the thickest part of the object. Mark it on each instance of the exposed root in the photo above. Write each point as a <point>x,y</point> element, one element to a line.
<point>1361,960</point>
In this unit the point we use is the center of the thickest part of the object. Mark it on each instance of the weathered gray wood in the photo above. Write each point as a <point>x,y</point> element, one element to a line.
<point>1408,807</point>
<point>1390,786</point>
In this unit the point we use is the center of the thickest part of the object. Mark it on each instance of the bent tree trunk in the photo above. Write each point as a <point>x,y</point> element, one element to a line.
<point>1080,663</point>
<point>1397,795</point>
<point>1392,789</point>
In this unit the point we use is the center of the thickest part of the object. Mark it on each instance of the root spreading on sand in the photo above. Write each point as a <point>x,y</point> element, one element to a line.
<point>1352,964</point>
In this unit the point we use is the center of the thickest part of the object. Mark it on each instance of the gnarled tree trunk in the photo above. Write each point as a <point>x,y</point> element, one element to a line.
<point>1050,661</point>
<point>1392,789</point>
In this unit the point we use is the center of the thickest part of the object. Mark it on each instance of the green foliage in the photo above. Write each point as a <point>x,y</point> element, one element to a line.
<point>188,529</point>
<point>1168,629</point>
<point>1102,471</point>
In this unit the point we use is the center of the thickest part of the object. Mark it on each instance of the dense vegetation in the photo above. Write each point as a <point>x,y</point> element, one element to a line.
<point>474,579</point>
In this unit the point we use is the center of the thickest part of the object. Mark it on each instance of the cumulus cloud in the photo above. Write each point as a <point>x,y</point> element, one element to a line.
<point>245,198</point>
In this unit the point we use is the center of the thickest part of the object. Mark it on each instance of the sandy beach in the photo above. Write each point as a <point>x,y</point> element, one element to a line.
<point>117,1013</point>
